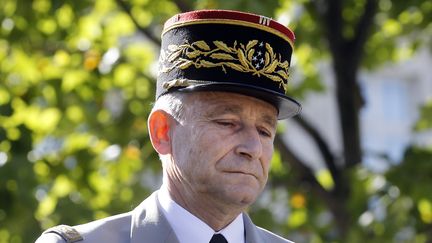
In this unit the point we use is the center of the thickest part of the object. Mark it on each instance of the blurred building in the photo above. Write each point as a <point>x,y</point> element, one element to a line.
<point>393,94</point>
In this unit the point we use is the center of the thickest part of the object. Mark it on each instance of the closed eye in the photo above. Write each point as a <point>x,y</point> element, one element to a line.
<point>265,133</point>
<point>225,123</point>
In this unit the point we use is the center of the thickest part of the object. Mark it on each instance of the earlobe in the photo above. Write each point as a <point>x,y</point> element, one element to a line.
<point>159,125</point>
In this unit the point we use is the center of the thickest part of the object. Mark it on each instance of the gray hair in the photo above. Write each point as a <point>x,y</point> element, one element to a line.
<point>173,104</point>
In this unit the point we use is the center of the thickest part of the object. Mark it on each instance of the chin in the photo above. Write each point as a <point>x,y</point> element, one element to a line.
<point>245,196</point>
<point>247,201</point>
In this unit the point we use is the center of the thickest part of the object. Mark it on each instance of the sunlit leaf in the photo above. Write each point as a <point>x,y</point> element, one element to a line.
<point>60,61</point>
<point>392,27</point>
<point>62,58</point>
<point>425,209</point>
<point>4,96</point>
<point>297,218</point>
<point>41,6</point>
<point>277,166</point>
<point>41,169</point>
<point>124,74</point>
<point>120,25</point>
<point>46,207</point>
<point>47,26</point>
<point>72,79</point>
<point>42,120</point>
<point>65,16</point>
<point>325,179</point>
<point>75,114</point>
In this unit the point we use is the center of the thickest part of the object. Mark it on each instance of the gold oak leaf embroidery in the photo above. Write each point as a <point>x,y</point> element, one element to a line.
<point>238,57</point>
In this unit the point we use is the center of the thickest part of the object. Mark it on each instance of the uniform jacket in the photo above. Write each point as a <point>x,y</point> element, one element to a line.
<point>145,224</point>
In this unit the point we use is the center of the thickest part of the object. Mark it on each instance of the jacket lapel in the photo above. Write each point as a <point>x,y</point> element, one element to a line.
<point>149,225</point>
<point>251,232</point>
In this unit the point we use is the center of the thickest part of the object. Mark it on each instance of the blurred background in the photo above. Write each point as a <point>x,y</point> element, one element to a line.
<point>77,79</point>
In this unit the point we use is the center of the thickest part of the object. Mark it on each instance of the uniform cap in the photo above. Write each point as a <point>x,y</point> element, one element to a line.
<point>230,51</point>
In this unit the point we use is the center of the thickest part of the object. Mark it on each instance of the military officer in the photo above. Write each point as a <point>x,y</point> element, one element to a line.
<point>220,91</point>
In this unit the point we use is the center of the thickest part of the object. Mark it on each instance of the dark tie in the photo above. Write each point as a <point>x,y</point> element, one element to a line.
<point>218,238</point>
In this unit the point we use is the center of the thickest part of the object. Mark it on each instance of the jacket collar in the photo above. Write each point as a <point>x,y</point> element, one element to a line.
<point>149,225</point>
<point>251,231</point>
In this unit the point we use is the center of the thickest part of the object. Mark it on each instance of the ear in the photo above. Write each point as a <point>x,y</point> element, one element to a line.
<point>160,125</point>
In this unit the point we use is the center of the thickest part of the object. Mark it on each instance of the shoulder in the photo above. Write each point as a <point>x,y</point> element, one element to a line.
<point>60,233</point>
<point>258,234</point>
<point>269,236</point>
<point>112,229</point>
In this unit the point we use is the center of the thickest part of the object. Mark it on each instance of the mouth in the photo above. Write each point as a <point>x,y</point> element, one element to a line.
<point>242,173</point>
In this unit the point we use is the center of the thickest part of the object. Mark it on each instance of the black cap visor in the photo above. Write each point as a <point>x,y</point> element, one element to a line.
<point>286,106</point>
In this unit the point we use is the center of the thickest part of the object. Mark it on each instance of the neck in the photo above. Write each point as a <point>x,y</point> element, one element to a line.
<point>215,214</point>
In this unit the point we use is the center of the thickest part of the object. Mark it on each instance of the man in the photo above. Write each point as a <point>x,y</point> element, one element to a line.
<point>220,91</point>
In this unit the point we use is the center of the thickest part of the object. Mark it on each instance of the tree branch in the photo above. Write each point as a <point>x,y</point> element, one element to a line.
<point>327,155</point>
<point>305,172</point>
<point>145,31</point>
<point>345,68</point>
<point>335,205</point>
<point>330,11</point>
<point>362,29</point>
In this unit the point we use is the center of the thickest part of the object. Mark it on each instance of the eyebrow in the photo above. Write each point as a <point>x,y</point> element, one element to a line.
<point>222,110</point>
<point>269,120</point>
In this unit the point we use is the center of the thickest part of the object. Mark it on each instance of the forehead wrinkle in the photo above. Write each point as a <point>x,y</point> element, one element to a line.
<point>270,120</point>
<point>212,106</point>
<point>222,109</point>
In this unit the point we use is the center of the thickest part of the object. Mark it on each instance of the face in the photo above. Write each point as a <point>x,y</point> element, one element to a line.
<point>223,148</point>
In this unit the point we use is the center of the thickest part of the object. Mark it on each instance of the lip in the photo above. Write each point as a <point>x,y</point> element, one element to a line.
<point>241,173</point>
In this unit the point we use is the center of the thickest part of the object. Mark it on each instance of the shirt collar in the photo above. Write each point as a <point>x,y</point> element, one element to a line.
<point>189,228</point>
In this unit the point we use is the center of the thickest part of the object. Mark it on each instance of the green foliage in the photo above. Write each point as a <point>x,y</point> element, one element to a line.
<point>76,90</point>
<point>417,164</point>
<point>76,83</point>
<point>413,178</point>
<point>397,21</point>
<point>425,121</point>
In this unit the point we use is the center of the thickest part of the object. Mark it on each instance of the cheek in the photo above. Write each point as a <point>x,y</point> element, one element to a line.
<point>191,151</point>
<point>182,147</point>
<point>267,157</point>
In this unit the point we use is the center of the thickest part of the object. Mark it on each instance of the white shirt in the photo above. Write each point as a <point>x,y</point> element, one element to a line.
<point>188,228</point>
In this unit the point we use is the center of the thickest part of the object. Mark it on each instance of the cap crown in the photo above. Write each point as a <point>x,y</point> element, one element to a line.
<point>221,50</point>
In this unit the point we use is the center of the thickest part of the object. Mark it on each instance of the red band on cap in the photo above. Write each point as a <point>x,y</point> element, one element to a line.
<point>229,15</point>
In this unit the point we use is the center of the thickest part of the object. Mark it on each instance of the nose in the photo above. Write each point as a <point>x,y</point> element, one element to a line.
<point>249,145</point>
